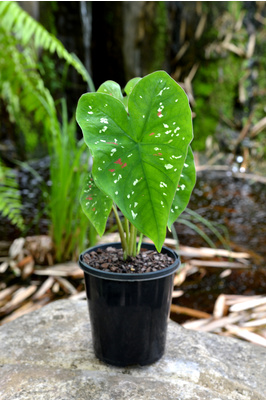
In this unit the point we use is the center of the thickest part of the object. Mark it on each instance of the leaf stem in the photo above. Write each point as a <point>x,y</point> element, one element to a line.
<point>127,230</point>
<point>121,232</point>
<point>140,242</point>
<point>132,241</point>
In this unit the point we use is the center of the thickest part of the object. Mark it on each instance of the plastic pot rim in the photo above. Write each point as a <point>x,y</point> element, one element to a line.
<point>115,276</point>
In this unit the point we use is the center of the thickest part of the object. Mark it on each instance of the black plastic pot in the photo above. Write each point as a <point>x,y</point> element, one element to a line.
<point>129,312</point>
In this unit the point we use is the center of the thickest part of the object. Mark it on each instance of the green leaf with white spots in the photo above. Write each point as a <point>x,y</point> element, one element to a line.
<point>128,89</point>
<point>112,88</point>
<point>95,204</point>
<point>139,153</point>
<point>130,85</point>
<point>186,183</point>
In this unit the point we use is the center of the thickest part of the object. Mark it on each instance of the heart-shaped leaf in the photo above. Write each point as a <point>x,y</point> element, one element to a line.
<point>130,85</point>
<point>95,204</point>
<point>186,183</point>
<point>112,88</point>
<point>128,89</point>
<point>139,154</point>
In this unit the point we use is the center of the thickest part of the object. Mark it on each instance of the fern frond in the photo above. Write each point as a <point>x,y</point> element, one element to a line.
<point>10,202</point>
<point>16,21</point>
<point>28,101</point>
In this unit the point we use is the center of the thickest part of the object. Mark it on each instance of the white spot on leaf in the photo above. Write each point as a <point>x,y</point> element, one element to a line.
<point>168,166</point>
<point>133,214</point>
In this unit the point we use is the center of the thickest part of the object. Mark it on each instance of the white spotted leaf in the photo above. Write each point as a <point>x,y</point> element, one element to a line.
<point>95,204</point>
<point>130,85</point>
<point>112,88</point>
<point>185,185</point>
<point>139,152</point>
<point>128,89</point>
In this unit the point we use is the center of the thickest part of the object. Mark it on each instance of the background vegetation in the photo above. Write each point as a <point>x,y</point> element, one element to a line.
<point>215,50</point>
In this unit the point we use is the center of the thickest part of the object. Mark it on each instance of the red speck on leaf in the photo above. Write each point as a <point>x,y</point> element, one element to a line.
<point>89,198</point>
<point>93,209</point>
<point>159,154</point>
<point>151,134</point>
<point>112,143</point>
<point>159,113</point>
<point>112,170</point>
<point>118,162</point>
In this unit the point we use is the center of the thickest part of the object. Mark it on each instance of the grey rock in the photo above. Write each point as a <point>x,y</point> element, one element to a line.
<point>48,355</point>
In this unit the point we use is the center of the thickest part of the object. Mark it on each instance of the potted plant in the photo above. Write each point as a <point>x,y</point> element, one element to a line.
<point>142,165</point>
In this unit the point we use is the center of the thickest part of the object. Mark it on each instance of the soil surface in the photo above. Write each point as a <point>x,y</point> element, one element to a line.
<point>111,259</point>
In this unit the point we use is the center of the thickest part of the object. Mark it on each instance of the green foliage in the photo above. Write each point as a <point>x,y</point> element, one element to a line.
<point>35,114</point>
<point>160,36</point>
<point>92,196</point>
<point>69,226</point>
<point>228,86</point>
<point>140,151</point>
<point>192,219</point>
<point>29,32</point>
<point>10,202</point>
<point>215,90</point>
<point>22,89</point>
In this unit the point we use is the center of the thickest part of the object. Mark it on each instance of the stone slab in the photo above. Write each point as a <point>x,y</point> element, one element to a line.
<point>48,355</point>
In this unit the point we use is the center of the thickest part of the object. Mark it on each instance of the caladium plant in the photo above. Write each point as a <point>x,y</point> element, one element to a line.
<point>142,160</point>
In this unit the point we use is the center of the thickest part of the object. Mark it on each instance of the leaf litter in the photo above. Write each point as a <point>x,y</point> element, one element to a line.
<point>242,316</point>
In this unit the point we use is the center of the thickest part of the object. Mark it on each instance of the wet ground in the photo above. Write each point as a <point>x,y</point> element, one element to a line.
<point>33,180</point>
<point>237,203</point>
<point>240,205</point>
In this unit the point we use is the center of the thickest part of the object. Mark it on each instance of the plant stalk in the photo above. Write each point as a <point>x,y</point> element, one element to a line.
<point>121,232</point>
<point>132,241</point>
<point>127,230</point>
<point>140,242</point>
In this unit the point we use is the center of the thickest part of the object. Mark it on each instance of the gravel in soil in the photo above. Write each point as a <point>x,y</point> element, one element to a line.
<point>111,260</point>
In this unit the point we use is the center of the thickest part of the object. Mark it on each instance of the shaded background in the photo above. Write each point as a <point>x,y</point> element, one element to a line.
<point>215,51</point>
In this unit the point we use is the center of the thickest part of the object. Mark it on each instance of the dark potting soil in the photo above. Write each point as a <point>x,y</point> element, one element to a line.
<point>111,259</point>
